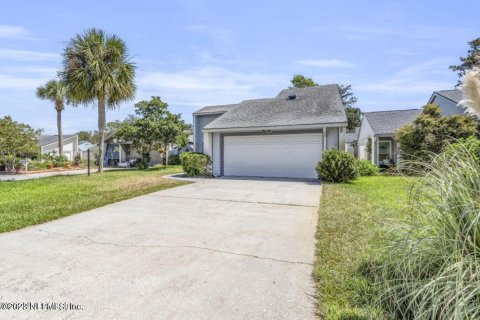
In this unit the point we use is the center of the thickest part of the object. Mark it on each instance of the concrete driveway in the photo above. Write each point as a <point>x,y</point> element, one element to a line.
<point>215,249</point>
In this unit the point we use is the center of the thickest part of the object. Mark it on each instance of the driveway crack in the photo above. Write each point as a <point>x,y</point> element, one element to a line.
<point>122,245</point>
<point>242,201</point>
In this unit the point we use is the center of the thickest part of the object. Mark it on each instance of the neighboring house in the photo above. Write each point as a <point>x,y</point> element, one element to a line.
<point>377,132</point>
<point>351,138</point>
<point>117,151</point>
<point>448,101</point>
<point>274,137</point>
<point>84,146</point>
<point>49,145</point>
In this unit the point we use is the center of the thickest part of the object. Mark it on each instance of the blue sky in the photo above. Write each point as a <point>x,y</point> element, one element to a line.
<point>197,53</point>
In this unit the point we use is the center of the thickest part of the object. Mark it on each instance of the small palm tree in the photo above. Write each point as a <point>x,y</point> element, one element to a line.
<point>55,91</point>
<point>97,68</point>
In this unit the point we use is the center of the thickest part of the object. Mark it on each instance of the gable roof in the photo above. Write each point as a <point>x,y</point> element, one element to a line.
<point>388,122</point>
<point>215,109</point>
<point>46,139</point>
<point>455,95</point>
<point>313,105</point>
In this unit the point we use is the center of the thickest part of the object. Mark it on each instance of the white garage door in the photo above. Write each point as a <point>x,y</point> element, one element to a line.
<point>286,155</point>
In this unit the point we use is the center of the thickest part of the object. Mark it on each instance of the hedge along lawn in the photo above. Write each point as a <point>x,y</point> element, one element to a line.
<point>350,228</point>
<point>29,202</point>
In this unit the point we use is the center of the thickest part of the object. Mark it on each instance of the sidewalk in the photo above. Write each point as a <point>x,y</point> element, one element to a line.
<point>29,176</point>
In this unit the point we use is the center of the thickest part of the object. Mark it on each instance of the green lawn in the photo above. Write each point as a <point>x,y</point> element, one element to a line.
<point>25,203</point>
<point>350,228</point>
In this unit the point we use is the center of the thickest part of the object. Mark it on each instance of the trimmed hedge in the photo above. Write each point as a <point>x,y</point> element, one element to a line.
<point>195,164</point>
<point>337,166</point>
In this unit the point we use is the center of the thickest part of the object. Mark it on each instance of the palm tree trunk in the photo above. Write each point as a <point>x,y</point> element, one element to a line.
<point>60,134</point>
<point>101,131</point>
<point>167,148</point>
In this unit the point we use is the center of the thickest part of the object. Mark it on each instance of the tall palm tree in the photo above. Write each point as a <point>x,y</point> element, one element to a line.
<point>97,68</point>
<point>55,91</point>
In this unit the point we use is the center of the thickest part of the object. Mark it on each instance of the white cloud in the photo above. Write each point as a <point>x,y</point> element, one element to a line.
<point>23,83</point>
<point>27,55</point>
<point>208,85</point>
<point>325,63</point>
<point>417,78</point>
<point>7,31</point>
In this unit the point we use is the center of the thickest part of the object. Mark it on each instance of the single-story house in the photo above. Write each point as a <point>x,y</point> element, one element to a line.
<point>118,151</point>
<point>376,138</point>
<point>282,136</point>
<point>448,101</point>
<point>49,145</point>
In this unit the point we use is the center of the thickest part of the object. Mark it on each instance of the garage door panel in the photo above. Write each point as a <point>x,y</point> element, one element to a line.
<point>292,155</point>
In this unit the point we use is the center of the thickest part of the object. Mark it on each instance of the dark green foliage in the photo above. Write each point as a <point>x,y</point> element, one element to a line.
<point>77,160</point>
<point>153,127</point>
<point>60,161</point>
<point>431,133</point>
<point>367,168</point>
<point>348,100</point>
<point>353,117</point>
<point>174,160</point>
<point>300,81</point>
<point>195,164</point>
<point>337,166</point>
<point>469,62</point>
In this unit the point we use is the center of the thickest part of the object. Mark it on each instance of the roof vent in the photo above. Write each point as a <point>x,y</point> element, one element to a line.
<point>291,96</point>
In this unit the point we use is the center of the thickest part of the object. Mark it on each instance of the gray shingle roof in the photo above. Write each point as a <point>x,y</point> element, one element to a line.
<point>215,109</point>
<point>387,122</point>
<point>314,105</point>
<point>454,95</point>
<point>46,139</point>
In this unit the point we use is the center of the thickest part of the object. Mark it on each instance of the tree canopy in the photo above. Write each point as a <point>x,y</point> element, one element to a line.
<point>469,62</point>
<point>431,132</point>
<point>300,81</point>
<point>153,127</point>
<point>97,68</point>
<point>17,140</point>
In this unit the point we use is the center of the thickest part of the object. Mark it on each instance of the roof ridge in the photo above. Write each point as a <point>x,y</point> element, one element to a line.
<point>396,110</point>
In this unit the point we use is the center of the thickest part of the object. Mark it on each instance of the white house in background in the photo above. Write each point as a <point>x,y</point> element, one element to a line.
<point>448,101</point>
<point>84,146</point>
<point>283,136</point>
<point>376,138</point>
<point>49,145</point>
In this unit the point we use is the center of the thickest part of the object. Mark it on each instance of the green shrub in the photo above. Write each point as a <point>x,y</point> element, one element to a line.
<point>431,270</point>
<point>174,160</point>
<point>77,160</point>
<point>37,165</point>
<point>195,164</point>
<point>337,166</point>
<point>367,168</point>
<point>60,161</point>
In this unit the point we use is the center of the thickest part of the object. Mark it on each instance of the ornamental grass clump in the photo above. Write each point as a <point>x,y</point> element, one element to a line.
<point>431,270</point>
